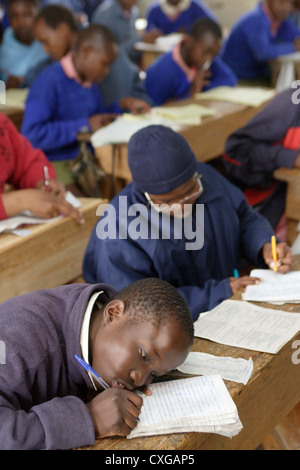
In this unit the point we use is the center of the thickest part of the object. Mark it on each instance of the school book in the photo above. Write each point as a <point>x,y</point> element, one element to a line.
<point>249,96</point>
<point>197,404</point>
<point>245,325</point>
<point>274,287</point>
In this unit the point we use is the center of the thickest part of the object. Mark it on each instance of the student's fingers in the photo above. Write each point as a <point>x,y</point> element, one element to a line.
<point>145,390</point>
<point>68,210</point>
<point>237,284</point>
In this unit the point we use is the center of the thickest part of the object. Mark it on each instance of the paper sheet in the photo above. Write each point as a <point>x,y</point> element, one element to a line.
<point>191,404</point>
<point>26,218</point>
<point>249,96</point>
<point>121,130</point>
<point>275,287</point>
<point>229,368</point>
<point>245,325</point>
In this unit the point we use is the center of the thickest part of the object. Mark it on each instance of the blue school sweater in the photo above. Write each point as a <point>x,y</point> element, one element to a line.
<point>42,387</point>
<point>166,80</point>
<point>57,108</point>
<point>231,229</point>
<point>251,45</point>
<point>157,18</point>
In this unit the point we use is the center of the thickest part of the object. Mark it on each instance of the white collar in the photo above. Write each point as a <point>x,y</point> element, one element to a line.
<point>85,328</point>
<point>171,10</point>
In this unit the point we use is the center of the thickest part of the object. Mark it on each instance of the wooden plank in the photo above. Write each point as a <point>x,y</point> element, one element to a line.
<point>292,178</point>
<point>14,114</point>
<point>52,255</point>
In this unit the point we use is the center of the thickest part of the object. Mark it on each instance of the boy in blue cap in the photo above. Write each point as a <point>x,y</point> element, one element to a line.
<point>130,240</point>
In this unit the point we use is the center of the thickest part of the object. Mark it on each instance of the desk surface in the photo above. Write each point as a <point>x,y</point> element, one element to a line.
<point>14,113</point>
<point>207,139</point>
<point>50,256</point>
<point>272,391</point>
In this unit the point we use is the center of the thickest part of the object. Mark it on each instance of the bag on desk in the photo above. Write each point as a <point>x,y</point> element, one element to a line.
<point>87,172</point>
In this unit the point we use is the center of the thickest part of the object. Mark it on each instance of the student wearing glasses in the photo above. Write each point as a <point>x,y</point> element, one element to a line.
<point>190,230</point>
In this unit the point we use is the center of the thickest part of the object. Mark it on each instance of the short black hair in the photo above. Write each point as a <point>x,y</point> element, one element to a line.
<point>96,35</point>
<point>54,15</point>
<point>203,26</point>
<point>34,3</point>
<point>157,302</point>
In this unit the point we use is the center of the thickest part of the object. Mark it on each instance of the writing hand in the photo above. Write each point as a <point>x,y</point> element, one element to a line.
<point>114,412</point>
<point>284,257</point>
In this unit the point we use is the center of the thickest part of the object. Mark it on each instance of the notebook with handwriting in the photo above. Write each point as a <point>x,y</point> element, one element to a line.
<point>197,404</point>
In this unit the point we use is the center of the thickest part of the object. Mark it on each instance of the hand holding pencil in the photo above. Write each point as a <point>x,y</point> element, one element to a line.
<point>277,256</point>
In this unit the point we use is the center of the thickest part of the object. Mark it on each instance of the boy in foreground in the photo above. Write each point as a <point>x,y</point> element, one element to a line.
<point>128,337</point>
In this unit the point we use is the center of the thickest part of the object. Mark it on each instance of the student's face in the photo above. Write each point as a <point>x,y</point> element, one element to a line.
<point>186,193</point>
<point>130,355</point>
<point>174,3</point>
<point>93,65</point>
<point>280,9</point>
<point>56,42</point>
<point>203,50</point>
<point>21,17</point>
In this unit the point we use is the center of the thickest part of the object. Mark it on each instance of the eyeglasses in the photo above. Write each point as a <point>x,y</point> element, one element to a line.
<point>164,206</point>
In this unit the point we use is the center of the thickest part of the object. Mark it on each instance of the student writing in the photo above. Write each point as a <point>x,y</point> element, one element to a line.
<point>128,337</point>
<point>23,167</point>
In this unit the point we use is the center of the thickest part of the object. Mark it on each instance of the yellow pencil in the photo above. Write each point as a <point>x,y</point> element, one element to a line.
<point>274,252</point>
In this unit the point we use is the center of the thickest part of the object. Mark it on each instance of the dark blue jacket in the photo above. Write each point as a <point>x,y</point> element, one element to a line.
<point>232,230</point>
<point>251,45</point>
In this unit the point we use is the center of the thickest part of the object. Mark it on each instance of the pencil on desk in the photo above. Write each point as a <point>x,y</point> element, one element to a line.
<point>274,252</point>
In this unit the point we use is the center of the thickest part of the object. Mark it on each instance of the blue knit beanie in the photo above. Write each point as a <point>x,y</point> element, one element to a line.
<point>160,159</point>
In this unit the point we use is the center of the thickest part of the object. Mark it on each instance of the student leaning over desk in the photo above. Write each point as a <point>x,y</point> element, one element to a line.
<point>166,177</point>
<point>23,167</point>
<point>128,337</point>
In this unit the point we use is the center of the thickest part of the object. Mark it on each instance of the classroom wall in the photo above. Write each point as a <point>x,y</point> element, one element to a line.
<point>227,11</point>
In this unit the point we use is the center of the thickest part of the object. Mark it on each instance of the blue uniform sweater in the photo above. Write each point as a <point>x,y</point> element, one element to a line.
<point>157,18</point>
<point>165,79</point>
<point>251,45</point>
<point>232,230</point>
<point>56,109</point>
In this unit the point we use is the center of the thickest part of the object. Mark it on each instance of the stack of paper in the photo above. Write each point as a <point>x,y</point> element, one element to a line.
<point>199,404</point>
<point>274,287</point>
<point>249,96</point>
<point>245,325</point>
<point>121,130</point>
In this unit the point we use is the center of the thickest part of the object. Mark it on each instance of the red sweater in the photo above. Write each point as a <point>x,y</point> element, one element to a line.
<point>20,164</point>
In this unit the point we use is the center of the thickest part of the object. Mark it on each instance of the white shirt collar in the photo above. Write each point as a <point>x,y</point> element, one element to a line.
<point>85,328</point>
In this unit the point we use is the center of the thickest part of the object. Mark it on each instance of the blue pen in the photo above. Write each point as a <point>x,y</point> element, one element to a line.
<point>89,369</point>
<point>236,273</point>
<point>96,376</point>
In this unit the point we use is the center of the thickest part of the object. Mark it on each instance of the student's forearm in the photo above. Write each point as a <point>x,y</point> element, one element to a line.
<point>62,423</point>
<point>14,202</point>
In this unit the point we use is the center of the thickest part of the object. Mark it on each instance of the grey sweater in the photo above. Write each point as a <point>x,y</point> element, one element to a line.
<point>42,387</point>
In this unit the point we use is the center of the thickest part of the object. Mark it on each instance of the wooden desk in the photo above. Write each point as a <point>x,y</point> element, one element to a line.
<point>292,205</point>
<point>150,52</point>
<point>15,114</point>
<point>271,393</point>
<point>206,140</point>
<point>50,256</point>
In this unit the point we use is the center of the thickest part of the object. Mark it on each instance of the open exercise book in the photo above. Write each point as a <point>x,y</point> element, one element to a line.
<point>274,287</point>
<point>198,404</point>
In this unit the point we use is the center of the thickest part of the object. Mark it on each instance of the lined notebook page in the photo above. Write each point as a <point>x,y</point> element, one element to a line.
<point>274,286</point>
<point>185,404</point>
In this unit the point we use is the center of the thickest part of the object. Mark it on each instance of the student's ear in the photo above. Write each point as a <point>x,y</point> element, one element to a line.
<point>114,310</point>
